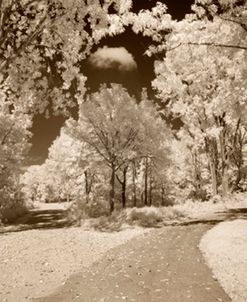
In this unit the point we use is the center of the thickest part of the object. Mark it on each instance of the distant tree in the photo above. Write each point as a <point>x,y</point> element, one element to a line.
<point>118,130</point>
<point>14,146</point>
<point>30,181</point>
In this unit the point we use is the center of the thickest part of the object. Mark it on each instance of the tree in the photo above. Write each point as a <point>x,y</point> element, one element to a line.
<point>42,45</point>
<point>67,174</point>
<point>107,124</point>
<point>36,184</point>
<point>65,163</point>
<point>208,95</point>
<point>123,183</point>
<point>14,145</point>
<point>230,11</point>
<point>118,130</point>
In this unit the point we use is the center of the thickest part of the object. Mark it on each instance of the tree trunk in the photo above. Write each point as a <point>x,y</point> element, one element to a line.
<point>146,183</point>
<point>212,154</point>
<point>224,164</point>
<point>237,154</point>
<point>241,175</point>
<point>162,195</point>
<point>225,185</point>
<point>238,179</point>
<point>150,189</point>
<point>197,175</point>
<point>123,185</point>
<point>213,177</point>
<point>86,186</point>
<point>142,199</point>
<point>134,184</point>
<point>112,189</point>
<point>124,189</point>
<point>89,180</point>
<point>67,197</point>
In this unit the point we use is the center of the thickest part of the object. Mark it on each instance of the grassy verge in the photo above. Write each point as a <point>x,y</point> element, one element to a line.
<point>182,212</point>
<point>147,217</point>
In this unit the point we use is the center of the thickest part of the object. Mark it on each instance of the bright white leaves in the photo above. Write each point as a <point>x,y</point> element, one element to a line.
<point>51,37</point>
<point>112,131</point>
<point>116,127</point>
<point>201,81</point>
<point>61,175</point>
<point>14,145</point>
<point>224,5</point>
<point>122,134</point>
<point>204,81</point>
<point>155,24</point>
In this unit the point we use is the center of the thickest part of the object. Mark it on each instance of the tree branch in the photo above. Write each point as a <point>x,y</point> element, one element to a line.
<point>119,180</point>
<point>86,140</point>
<point>217,45</point>
<point>6,135</point>
<point>101,135</point>
<point>243,25</point>
<point>243,47</point>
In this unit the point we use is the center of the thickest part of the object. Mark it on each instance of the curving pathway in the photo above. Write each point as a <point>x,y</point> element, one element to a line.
<point>164,265</point>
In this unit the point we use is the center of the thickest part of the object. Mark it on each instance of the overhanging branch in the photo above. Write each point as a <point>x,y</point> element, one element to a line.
<point>218,45</point>
<point>212,44</point>
<point>243,25</point>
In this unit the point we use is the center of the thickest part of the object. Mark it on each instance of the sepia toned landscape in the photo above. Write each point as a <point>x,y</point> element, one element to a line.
<point>123,150</point>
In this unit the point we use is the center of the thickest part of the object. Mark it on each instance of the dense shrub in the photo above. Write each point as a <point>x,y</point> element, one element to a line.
<point>153,216</point>
<point>93,209</point>
<point>112,223</point>
<point>10,209</point>
<point>149,217</point>
<point>146,217</point>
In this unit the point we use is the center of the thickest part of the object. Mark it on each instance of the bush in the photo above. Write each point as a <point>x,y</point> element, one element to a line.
<point>146,217</point>
<point>153,216</point>
<point>110,223</point>
<point>11,209</point>
<point>172,213</point>
<point>93,209</point>
<point>97,209</point>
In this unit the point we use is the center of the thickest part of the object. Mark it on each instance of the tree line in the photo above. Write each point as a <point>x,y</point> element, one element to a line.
<point>117,149</point>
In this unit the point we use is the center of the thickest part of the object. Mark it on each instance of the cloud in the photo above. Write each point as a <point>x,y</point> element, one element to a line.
<point>113,57</point>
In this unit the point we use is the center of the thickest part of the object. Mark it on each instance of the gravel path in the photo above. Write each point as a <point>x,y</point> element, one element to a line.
<point>163,266</point>
<point>34,263</point>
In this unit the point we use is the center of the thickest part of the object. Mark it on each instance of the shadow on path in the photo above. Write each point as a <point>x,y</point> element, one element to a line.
<point>57,218</point>
<point>39,219</point>
<point>240,213</point>
<point>217,217</point>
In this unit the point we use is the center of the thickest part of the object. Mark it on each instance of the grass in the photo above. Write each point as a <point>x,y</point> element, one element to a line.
<point>147,217</point>
<point>181,212</point>
<point>196,210</point>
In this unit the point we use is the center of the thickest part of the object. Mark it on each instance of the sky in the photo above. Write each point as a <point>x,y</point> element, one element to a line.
<point>116,59</point>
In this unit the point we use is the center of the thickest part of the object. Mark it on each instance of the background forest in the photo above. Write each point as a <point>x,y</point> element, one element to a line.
<point>189,141</point>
